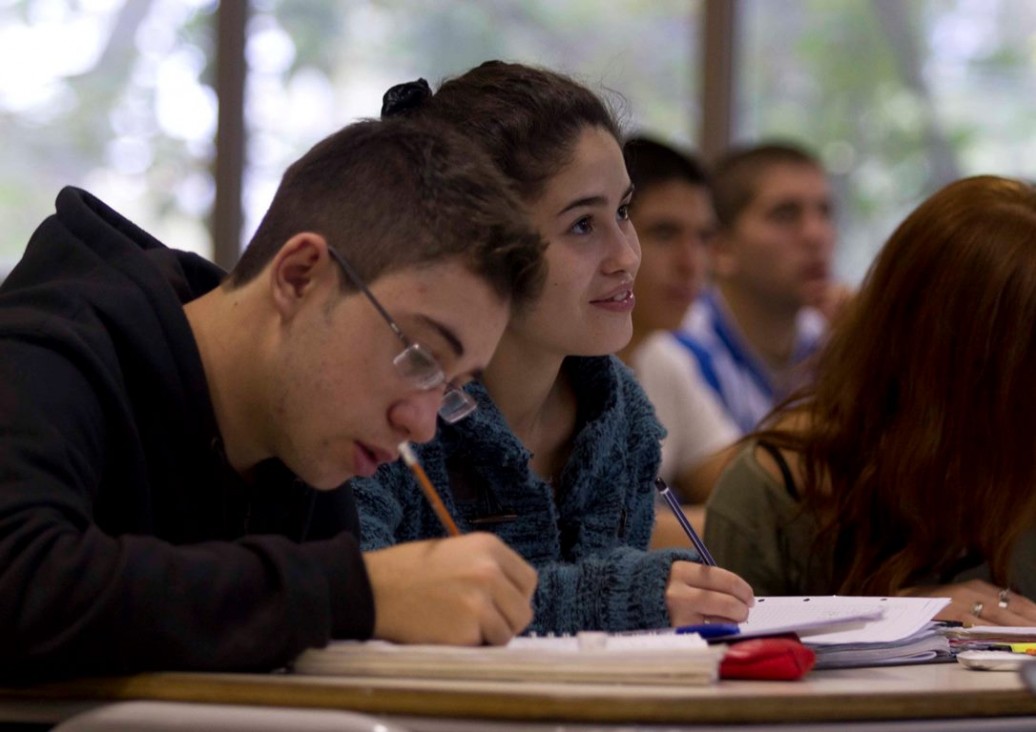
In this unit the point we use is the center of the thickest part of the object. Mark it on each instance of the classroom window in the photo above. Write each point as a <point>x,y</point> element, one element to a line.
<point>898,97</point>
<point>315,66</point>
<point>112,97</point>
<point>117,96</point>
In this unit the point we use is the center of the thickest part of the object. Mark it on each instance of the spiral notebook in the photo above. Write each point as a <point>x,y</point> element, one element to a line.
<point>583,658</point>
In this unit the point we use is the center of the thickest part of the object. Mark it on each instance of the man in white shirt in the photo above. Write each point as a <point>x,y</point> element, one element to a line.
<point>673,215</point>
<point>771,257</point>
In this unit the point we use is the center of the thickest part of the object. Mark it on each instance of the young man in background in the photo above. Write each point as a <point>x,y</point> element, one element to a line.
<point>673,214</point>
<point>771,277</point>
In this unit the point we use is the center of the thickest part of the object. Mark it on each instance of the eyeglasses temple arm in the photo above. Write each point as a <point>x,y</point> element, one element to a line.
<point>355,279</point>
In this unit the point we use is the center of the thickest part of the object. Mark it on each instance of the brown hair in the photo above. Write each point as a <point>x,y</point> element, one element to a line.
<point>735,176</point>
<point>527,119</point>
<point>920,446</point>
<point>651,163</point>
<point>400,193</point>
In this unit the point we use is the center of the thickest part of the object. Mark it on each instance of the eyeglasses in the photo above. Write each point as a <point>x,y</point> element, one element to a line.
<point>415,363</point>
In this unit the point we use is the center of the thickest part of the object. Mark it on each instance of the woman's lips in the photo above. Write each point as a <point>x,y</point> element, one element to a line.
<point>620,300</point>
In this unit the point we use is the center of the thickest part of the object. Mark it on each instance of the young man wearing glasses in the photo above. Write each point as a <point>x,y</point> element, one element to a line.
<point>171,436</point>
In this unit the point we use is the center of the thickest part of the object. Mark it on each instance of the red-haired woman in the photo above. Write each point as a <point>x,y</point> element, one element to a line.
<point>909,466</point>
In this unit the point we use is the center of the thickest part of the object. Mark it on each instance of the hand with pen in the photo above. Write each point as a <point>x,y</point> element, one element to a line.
<point>465,590</point>
<point>701,592</point>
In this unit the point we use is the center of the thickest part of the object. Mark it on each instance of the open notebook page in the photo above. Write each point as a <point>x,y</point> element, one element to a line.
<point>842,619</point>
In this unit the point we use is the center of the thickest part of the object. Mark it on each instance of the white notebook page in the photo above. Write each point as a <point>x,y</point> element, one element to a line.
<point>843,619</point>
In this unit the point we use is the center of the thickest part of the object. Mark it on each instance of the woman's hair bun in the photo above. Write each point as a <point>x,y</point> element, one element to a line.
<point>402,99</point>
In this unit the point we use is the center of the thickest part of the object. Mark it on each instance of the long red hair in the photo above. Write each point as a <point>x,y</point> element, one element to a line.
<point>920,446</point>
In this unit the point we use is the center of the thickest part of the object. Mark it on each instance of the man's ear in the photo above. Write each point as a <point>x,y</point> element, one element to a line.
<point>300,269</point>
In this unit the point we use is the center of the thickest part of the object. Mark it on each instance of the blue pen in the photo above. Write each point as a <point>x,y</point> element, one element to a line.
<point>674,506</point>
<point>705,630</point>
<point>709,630</point>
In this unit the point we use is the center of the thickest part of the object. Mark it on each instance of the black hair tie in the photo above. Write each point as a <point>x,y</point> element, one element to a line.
<point>401,99</point>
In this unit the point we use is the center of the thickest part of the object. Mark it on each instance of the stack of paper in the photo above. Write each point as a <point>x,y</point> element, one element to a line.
<point>992,634</point>
<point>844,631</point>
<point>587,657</point>
<point>991,637</point>
<point>849,631</point>
<point>924,646</point>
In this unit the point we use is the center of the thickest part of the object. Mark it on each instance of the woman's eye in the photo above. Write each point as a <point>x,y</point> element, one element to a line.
<point>624,212</point>
<point>583,226</point>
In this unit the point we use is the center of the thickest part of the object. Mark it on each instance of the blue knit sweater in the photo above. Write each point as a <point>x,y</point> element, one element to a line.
<point>589,543</point>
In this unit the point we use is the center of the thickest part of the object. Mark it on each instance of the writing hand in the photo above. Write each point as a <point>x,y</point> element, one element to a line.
<point>696,593</point>
<point>466,590</point>
<point>977,602</point>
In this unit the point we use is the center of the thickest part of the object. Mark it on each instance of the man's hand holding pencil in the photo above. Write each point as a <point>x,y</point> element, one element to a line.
<point>466,590</point>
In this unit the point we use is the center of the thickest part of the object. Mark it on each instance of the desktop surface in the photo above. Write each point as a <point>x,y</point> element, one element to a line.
<point>919,692</point>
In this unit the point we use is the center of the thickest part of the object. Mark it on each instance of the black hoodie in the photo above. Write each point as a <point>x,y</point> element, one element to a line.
<point>127,543</point>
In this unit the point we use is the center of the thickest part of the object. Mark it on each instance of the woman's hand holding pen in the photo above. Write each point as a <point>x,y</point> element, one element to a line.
<point>466,590</point>
<point>977,602</point>
<point>698,593</point>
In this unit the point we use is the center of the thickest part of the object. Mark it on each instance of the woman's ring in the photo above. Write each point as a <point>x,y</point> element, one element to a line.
<point>976,609</point>
<point>1002,598</point>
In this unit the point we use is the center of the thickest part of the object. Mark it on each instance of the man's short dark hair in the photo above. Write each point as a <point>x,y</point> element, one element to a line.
<point>400,193</point>
<point>650,163</point>
<point>735,176</point>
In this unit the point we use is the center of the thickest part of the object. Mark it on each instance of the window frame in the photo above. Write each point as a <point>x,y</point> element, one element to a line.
<point>231,18</point>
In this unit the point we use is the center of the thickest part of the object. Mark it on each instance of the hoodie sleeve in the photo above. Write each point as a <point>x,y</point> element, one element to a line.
<point>76,600</point>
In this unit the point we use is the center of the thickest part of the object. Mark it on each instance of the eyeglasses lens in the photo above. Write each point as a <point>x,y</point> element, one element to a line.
<point>418,367</point>
<point>456,405</point>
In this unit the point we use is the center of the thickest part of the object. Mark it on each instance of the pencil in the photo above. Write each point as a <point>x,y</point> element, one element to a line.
<point>407,452</point>
<point>674,506</point>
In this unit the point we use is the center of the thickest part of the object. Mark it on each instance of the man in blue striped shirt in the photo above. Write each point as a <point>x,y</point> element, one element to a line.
<point>771,267</point>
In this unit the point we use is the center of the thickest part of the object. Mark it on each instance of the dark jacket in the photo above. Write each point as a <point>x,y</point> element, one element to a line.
<point>126,540</point>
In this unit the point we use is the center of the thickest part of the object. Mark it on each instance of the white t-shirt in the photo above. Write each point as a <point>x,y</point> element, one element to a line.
<point>744,386</point>
<point>684,403</point>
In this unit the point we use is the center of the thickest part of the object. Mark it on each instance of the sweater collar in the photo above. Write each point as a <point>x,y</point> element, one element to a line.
<point>485,438</point>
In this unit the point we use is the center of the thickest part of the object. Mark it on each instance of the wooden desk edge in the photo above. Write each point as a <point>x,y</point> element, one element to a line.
<point>519,706</point>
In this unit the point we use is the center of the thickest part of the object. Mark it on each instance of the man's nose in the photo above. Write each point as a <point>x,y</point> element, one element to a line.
<point>819,230</point>
<point>689,254</point>
<point>416,415</point>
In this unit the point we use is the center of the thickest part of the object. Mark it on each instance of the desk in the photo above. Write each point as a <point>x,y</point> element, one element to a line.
<point>937,691</point>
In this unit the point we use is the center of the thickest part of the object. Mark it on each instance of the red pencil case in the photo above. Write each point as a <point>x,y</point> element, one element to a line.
<point>782,659</point>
